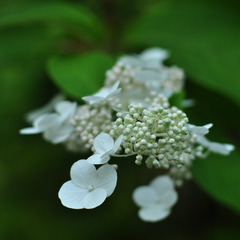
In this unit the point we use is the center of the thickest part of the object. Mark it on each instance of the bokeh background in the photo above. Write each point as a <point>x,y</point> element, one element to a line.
<point>44,47</point>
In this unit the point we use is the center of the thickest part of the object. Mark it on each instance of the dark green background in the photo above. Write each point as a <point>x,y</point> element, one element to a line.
<point>41,41</point>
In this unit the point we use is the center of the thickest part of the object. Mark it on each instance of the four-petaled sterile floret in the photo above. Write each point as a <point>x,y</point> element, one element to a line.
<point>88,187</point>
<point>156,199</point>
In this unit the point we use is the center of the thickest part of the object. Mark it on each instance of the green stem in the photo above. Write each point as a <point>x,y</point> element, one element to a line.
<point>123,155</point>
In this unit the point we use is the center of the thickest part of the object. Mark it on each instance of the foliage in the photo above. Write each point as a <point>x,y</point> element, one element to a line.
<point>71,44</point>
<point>80,75</point>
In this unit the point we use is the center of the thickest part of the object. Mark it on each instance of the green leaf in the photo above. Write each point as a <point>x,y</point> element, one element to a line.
<point>80,75</point>
<point>202,36</point>
<point>73,16</point>
<point>219,176</point>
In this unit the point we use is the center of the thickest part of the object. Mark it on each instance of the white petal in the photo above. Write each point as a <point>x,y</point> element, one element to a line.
<point>202,140</point>
<point>229,147</point>
<point>30,130</point>
<point>114,89</point>
<point>220,148</point>
<point>166,92</point>
<point>47,121</point>
<point>63,107</point>
<point>130,61</point>
<point>105,157</point>
<point>144,196</point>
<point>162,184</point>
<point>93,99</point>
<point>103,94</point>
<point>66,109</point>
<point>103,143</point>
<point>39,125</point>
<point>94,198</point>
<point>83,174</point>
<point>154,53</point>
<point>202,130</point>
<point>71,195</point>
<point>153,213</point>
<point>167,199</point>
<point>154,57</point>
<point>208,126</point>
<point>58,134</point>
<point>115,86</point>
<point>117,143</point>
<point>113,93</point>
<point>95,159</point>
<point>107,179</point>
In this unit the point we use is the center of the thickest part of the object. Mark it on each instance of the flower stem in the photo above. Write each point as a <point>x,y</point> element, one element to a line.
<point>123,155</point>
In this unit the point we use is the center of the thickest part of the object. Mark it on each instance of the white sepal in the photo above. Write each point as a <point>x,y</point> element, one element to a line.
<point>88,187</point>
<point>156,199</point>
<point>103,94</point>
<point>221,148</point>
<point>202,130</point>
<point>105,147</point>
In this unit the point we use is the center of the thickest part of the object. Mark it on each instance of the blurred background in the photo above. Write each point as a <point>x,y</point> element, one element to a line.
<point>45,46</point>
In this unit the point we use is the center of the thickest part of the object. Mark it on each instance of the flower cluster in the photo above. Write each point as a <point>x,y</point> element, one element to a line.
<point>129,116</point>
<point>157,133</point>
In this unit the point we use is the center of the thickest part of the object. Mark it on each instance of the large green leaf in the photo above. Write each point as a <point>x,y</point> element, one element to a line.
<point>219,176</point>
<point>69,16</point>
<point>202,36</point>
<point>80,75</point>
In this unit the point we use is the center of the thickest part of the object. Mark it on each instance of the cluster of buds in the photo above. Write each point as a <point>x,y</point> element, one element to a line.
<point>157,134</point>
<point>129,116</point>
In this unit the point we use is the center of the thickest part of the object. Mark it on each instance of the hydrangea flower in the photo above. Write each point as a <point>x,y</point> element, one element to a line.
<point>33,115</point>
<point>56,127</point>
<point>150,58</point>
<point>88,187</point>
<point>199,130</point>
<point>147,72</point>
<point>103,94</point>
<point>133,109</point>
<point>104,146</point>
<point>221,148</point>
<point>156,199</point>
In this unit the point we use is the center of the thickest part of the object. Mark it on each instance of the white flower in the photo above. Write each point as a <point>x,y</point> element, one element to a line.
<point>151,58</point>
<point>103,94</point>
<point>88,187</point>
<point>154,57</point>
<point>156,199</point>
<point>56,127</point>
<point>221,148</point>
<point>199,130</point>
<point>104,146</point>
<point>154,81</point>
<point>33,115</point>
